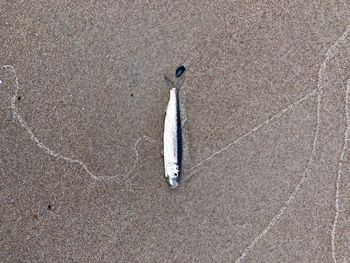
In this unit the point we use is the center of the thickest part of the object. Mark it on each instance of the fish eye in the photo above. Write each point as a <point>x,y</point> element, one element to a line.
<point>175,174</point>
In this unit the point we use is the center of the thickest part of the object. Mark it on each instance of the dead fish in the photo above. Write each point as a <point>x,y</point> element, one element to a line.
<point>172,138</point>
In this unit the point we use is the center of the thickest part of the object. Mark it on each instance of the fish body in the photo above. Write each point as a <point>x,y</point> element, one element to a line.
<point>172,140</point>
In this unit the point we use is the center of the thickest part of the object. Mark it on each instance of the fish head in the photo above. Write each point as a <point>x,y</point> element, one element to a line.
<point>172,172</point>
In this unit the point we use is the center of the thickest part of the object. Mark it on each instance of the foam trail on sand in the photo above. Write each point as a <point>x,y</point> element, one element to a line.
<point>255,129</point>
<point>321,81</point>
<point>340,170</point>
<point>277,216</point>
<point>55,154</point>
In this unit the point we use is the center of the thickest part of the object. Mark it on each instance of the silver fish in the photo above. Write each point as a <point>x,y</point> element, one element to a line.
<point>172,140</point>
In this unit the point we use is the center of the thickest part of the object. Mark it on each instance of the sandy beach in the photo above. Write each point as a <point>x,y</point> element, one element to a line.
<point>265,107</point>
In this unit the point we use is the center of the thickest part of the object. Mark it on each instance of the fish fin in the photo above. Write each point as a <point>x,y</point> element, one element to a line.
<point>169,82</point>
<point>162,153</point>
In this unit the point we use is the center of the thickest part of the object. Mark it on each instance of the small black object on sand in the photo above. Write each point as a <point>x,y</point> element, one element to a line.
<point>180,71</point>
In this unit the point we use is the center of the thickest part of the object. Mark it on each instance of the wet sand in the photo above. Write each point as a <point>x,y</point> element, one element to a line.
<point>266,112</point>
